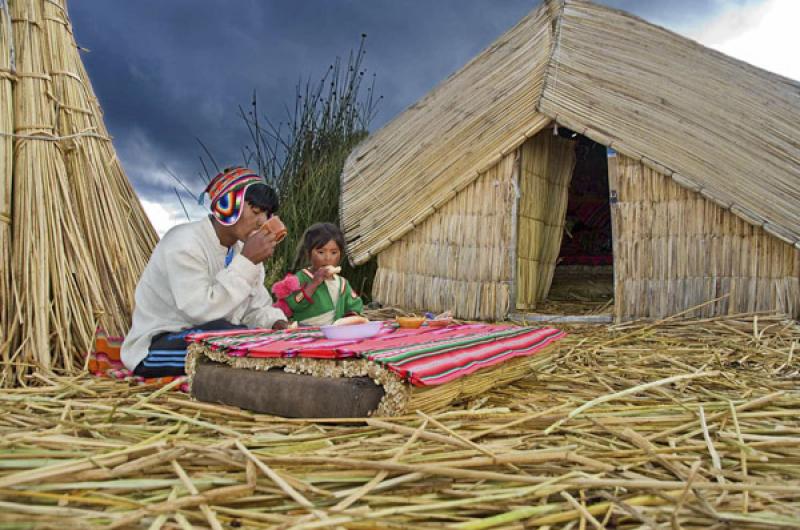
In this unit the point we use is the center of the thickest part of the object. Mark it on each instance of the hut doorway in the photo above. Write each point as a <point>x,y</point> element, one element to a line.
<point>564,239</point>
<point>583,280</point>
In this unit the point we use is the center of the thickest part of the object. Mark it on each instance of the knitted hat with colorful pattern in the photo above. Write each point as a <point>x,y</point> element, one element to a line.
<point>227,191</point>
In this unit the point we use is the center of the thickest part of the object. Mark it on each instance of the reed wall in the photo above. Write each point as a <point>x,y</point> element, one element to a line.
<point>459,258</point>
<point>674,250</point>
<point>546,165</point>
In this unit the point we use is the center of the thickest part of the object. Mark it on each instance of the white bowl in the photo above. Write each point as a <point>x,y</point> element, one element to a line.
<point>354,331</point>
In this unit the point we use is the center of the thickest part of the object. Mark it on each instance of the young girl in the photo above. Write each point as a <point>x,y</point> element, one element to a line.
<point>316,295</point>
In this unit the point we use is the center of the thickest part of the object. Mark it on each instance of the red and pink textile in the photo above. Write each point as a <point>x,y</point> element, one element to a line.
<point>424,357</point>
<point>105,361</point>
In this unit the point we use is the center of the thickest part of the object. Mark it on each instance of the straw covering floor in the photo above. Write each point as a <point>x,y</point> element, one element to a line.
<point>657,425</point>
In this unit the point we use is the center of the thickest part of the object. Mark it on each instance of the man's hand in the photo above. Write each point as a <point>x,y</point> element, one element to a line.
<point>259,246</point>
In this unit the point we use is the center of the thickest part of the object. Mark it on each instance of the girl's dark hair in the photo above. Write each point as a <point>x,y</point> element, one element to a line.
<point>263,197</point>
<point>316,236</point>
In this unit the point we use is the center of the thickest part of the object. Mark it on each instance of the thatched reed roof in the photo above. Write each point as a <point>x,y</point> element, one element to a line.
<point>716,125</point>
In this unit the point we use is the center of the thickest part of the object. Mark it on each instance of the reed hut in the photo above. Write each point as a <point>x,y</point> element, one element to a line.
<point>73,236</point>
<point>471,198</point>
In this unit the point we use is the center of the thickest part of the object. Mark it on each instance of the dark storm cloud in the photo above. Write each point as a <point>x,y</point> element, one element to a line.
<point>167,72</point>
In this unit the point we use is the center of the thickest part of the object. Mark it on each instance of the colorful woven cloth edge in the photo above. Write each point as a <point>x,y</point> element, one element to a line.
<point>423,357</point>
<point>105,361</point>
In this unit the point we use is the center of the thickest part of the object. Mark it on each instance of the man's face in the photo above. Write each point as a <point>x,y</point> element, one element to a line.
<point>249,221</point>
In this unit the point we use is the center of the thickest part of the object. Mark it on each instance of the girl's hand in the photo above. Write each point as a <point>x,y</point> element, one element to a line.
<point>320,275</point>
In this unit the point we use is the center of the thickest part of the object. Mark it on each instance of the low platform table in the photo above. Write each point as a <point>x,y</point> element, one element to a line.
<point>299,373</point>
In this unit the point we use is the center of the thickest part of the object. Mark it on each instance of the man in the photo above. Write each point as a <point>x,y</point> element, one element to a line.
<point>204,276</point>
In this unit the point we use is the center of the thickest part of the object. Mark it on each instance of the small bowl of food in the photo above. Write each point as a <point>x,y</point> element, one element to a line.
<point>352,331</point>
<point>440,322</point>
<point>412,322</point>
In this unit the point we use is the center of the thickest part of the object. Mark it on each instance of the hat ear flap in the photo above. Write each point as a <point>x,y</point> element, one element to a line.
<point>228,207</point>
<point>226,203</point>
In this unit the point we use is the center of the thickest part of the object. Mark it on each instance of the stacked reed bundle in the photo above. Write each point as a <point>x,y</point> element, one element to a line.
<point>7,79</point>
<point>79,236</point>
<point>48,253</point>
<point>459,258</point>
<point>114,225</point>
<point>547,165</point>
<point>675,424</point>
<point>673,249</point>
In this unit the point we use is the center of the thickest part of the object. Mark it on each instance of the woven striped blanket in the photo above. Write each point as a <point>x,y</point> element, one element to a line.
<point>423,357</point>
<point>105,361</point>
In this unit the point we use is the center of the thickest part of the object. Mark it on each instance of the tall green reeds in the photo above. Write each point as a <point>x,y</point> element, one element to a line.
<point>303,156</point>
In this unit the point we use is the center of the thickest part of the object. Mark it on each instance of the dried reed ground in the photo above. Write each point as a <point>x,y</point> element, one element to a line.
<point>668,425</point>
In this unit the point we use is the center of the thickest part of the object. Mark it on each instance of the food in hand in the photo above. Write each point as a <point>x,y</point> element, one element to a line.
<point>349,321</point>
<point>331,270</point>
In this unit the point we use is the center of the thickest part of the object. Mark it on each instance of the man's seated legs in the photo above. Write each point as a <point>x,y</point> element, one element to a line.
<point>167,354</point>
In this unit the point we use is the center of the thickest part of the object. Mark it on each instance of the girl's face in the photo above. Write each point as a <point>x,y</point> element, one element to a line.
<point>327,254</point>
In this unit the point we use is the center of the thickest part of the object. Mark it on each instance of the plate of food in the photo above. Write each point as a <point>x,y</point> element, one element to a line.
<point>351,328</point>
<point>439,321</point>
